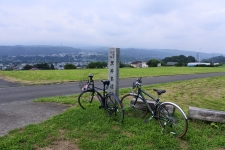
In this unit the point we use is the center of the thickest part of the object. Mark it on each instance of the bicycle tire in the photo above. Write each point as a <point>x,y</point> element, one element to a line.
<point>172,119</point>
<point>87,98</point>
<point>139,110</point>
<point>114,108</point>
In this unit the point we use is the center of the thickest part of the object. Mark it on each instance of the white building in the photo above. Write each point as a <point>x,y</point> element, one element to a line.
<point>144,65</point>
<point>197,63</point>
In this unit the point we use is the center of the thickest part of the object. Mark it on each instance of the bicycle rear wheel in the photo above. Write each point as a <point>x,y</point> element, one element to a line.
<point>139,110</point>
<point>114,108</point>
<point>172,119</point>
<point>89,98</point>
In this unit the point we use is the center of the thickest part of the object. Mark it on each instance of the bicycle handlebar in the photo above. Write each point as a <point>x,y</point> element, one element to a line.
<point>137,83</point>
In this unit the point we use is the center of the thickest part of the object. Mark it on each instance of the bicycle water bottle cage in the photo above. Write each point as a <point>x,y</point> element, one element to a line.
<point>159,92</point>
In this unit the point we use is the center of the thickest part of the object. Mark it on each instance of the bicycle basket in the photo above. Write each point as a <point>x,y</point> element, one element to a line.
<point>83,85</point>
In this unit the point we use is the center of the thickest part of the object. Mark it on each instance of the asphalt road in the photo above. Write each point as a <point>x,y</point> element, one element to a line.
<point>11,92</point>
<point>18,110</point>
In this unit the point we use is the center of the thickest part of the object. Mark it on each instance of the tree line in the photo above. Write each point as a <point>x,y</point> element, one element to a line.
<point>45,66</point>
<point>93,65</point>
<point>216,59</point>
<point>42,66</point>
<point>181,60</point>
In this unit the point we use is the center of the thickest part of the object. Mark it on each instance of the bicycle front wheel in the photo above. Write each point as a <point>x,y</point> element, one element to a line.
<point>88,98</point>
<point>114,108</point>
<point>172,119</point>
<point>138,110</point>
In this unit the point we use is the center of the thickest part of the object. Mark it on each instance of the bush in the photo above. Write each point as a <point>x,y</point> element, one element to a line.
<point>97,65</point>
<point>153,63</point>
<point>42,66</point>
<point>70,66</point>
<point>27,67</point>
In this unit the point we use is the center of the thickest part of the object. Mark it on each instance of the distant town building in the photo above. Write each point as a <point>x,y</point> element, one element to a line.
<point>192,64</point>
<point>171,63</point>
<point>159,65</point>
<point>139,64</point>
<point>144,65</point>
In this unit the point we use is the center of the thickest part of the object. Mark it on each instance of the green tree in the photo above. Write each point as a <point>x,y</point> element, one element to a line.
<point>122,65</point>
<point>153,62</point>
<point>70,66</point>
<point>97,65</point>
<point>27,67</point>
<point>191,59</point>
<point>43,66</point>
<point>52,67</point>
<point>91,65</point>
<point>181,60</point>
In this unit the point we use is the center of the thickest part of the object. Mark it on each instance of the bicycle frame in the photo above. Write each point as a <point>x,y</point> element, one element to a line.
<point>109,101</point>
<point>141,94</point>
<point>93,89</point>
<point>170,116</point>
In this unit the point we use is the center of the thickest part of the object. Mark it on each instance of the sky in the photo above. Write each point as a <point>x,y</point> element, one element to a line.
<point>190,25</point>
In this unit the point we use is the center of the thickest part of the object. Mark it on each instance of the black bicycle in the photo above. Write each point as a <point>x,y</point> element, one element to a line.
<point>170,116</point>
<point>108,101</point>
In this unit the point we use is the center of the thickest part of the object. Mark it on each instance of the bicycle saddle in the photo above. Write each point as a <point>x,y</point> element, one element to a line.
<point>105,81</point>
<point>159,91</point>
<point>90,75</point>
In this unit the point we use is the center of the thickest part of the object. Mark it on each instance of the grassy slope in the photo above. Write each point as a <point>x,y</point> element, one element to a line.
<point>92,129</point>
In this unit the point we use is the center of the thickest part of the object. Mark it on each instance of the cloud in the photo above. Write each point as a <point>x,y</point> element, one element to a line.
<point>185,25</point>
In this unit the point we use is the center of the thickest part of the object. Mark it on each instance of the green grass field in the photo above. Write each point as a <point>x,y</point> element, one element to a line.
<point>92,129</point>
<point>60,76</point>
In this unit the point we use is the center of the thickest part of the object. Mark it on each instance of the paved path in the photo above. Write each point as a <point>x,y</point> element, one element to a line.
<point>28,93</point>
<point>18,110</point>
<point>19,114</point>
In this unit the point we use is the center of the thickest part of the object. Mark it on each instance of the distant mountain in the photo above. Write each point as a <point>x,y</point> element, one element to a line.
<point>147,54</point>
<point>162,53</point>
<point>216,59</point>
<point>35,50</point>
<point>126,54</point>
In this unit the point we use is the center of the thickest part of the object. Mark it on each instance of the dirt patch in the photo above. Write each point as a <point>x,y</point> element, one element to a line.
<point>61,145</point>
<point>10,79</point>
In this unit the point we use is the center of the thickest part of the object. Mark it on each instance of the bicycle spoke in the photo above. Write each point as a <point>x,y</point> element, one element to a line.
<point>87,98</point>
<point>139,110</point>
<point>172,120</point>
<point>114,109</point>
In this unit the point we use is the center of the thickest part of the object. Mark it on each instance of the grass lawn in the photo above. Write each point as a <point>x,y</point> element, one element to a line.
<point>60,76</point>
<point>92,129</point>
